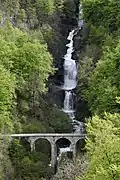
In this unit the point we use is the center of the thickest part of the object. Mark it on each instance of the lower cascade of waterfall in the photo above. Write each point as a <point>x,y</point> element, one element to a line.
<point>68,102</point>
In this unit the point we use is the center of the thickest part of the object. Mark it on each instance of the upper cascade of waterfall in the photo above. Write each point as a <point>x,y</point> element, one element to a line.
<point>70,67</point>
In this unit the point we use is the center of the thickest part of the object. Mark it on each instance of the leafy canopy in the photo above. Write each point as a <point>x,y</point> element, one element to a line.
<point>103,83</point>
<point>24,56</point>
<point>103,146</point>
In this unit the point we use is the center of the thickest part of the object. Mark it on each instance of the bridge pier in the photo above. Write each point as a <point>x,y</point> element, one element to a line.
<point>53,154</point>
<point>32,143</point>
<point>32,146</point>
<point>73,147</point>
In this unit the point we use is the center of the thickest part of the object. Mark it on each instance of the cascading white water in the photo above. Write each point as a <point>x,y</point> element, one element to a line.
<point>70,79</point>
<point>70,74</point>
<point>68,102</point>
<point>70,83</point>
<point>70,67</point>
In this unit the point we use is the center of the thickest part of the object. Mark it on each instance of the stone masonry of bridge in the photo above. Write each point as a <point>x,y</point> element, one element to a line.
<point>52,138</point>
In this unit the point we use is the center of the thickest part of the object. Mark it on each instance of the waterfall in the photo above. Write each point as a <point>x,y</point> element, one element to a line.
<point>70,83</point>
<point>70,76</point>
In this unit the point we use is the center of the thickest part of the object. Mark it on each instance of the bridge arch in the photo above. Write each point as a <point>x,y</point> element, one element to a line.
<point>62,143</point>
<point>79,145</point>
<point>42,143</point>
<point>43,149</point>
<point>32,141</point>
<point>46,138</point>
<point>64,146</point>
<point>63,138</point>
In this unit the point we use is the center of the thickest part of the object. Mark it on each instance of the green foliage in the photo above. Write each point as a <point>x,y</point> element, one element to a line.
<point>47,32</point>
<point>85,68</point>
<point>28,57</point>
<point>98,77</point>
<point>25,66</point>
<point>25,59</point>
<point>33,127</point>
<point>46,7</point>
<point>27,13</point>
<point>60,122</point>
<point>102,13</point>
<point>7,88</point>
<point>103,84</point>
<point>1,16</point>
<point>28,165</point>
<point>6,169</point>
<point>10,6</point>
<point>103,146</point>
<point>59,5</point>
<point>98,84</point>
<point>97,35</point>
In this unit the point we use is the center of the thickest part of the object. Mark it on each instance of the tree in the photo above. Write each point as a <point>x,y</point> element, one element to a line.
<point>103,144</point>
<point>46,7</point>
<point>106,12</point>
<point>59,121</point>
<point>7,90</point>
<point>103,83</point>
<point>25,65</point>
<point>28,57</point>
<point>28,165</point>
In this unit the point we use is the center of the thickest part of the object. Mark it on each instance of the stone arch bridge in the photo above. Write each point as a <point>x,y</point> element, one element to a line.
<point>52,138</point>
